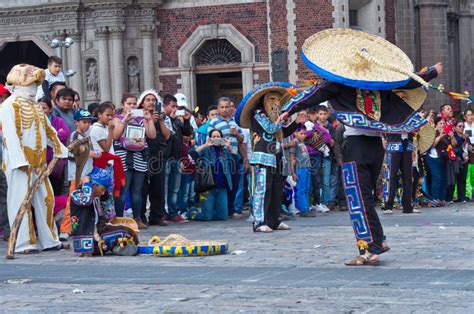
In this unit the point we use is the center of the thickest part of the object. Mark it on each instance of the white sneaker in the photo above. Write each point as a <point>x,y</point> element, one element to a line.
<point>325,208</point>
<point>321,208</point>
<point>128,213</point>
<point>63,236</point>
<point>314,207</point>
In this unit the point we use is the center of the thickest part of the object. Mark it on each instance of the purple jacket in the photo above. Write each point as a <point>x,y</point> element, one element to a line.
<point>326,137</point>
<point>63,134</point>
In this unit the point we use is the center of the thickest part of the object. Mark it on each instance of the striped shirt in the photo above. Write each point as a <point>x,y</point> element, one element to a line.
<point>138,160</point>
<point>224,126</point>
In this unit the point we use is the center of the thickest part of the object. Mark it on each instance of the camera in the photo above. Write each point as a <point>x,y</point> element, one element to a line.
<point>180,113</point>
<point>218,141</point>
<point>158,107</point>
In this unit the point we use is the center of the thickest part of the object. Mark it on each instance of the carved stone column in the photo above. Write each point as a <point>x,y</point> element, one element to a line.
<point>75,62</point>
<point>102,35</point>
<point>433,43</point>
<point>466,48</point>
<point>117,68</point>
<point>148,66</point>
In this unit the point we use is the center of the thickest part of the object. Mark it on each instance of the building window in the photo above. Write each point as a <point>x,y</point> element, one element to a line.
<point>353,20</point>
<point>216,52</point>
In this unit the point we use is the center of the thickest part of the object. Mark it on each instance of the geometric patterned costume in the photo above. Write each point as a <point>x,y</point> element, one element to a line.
<point>366,110</point>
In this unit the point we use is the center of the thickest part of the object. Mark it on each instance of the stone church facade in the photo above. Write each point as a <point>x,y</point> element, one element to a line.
<point>431,31</point>
<point>205,48</point>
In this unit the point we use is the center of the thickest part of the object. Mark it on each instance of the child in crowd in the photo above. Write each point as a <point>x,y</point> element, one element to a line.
<point>53,75</point>
<point>317,143</point>
<point>188,170</point>
<point>101,134</point>
<point>91,231</point>
<point>83,120</point>
<point>300,171</point>
<point>328,173</point>
<point>102,131</point>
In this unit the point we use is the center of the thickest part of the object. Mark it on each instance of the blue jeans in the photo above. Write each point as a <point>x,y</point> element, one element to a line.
<point>315,169</point>
<point>303,188</point>
<point>437,168</point>
<point>239,196</point>
<point>133,183</point>
<point>236,169</point>
<point>330,180</point>
<point>173,183</point>
<point>213,205</point>
<point>186,198</point>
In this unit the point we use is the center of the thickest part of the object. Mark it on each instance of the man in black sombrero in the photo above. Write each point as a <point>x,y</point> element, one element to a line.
<point>360,72</point>
<point>259,111</point>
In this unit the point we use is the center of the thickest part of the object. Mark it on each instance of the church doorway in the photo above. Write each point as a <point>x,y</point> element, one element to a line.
<point>13,53</point>
<point>217,72</point>
<point>210,87</point>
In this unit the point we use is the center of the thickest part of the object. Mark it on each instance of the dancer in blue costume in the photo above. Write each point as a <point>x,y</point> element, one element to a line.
<point>361,72</point>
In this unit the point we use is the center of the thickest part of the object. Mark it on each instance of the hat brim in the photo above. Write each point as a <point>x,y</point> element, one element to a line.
<point>89,118</point>
<point>335,55</point>
<point>414,97</point>
<point>426,136</point>
<point>246,107</point>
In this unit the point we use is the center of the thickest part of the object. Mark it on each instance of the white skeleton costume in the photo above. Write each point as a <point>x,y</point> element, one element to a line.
<point>26,133</point>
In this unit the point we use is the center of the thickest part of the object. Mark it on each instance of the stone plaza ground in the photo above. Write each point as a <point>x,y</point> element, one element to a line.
<point>429,269</point>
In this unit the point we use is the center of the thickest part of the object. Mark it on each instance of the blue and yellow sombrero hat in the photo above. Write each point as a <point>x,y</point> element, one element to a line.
<point>251,100</point>
<point>357,59</point>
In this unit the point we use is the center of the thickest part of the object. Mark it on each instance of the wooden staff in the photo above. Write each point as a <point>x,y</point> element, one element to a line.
<point>26,204</point>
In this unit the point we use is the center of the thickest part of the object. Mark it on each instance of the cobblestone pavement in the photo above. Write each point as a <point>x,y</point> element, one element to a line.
<point>429,269</point>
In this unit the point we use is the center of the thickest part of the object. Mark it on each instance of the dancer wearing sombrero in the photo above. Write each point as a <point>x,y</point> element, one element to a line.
<point>259,111</point>
<point>399,150</point>
<point>360,72</point>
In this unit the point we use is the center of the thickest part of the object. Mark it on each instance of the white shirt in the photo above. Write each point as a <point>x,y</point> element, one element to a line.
<point>469,130</point>
<point>350,131</point>
<point>247,141</point>
<point>51,79</point>
<point>98,133</point>
<point>433,153</point>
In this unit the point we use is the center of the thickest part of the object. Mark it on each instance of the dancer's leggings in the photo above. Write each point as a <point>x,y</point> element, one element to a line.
<point>359,172</point>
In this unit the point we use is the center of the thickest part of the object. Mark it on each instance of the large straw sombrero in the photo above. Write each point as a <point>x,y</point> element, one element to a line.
<point>357,59</point>
<point>251,100</point>
<point>425,137</point>
<point>413,97</point>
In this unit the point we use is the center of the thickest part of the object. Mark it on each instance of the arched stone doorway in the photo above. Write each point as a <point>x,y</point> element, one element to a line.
<point>216,60</point>
<point>13,53</point>
<point>221,56</point>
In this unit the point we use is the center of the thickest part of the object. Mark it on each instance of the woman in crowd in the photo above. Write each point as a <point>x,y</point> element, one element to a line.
<point>217,152</point>
<point>457,163</point>
<point>57,175</point>
<point>436,161</point>
<point>129,132</point>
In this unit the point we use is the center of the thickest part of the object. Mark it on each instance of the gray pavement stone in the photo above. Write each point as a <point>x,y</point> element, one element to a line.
<point>430,269</point>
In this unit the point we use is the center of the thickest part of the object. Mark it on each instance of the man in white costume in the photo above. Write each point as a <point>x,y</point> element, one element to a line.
<point>26,133</point>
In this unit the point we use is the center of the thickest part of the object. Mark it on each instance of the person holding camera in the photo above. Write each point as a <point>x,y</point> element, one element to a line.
<point>216,152</point>
<point>154,183</point>
<point>180,126</point>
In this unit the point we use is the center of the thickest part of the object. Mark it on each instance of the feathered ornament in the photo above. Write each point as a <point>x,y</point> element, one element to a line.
<point>292,91</point>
